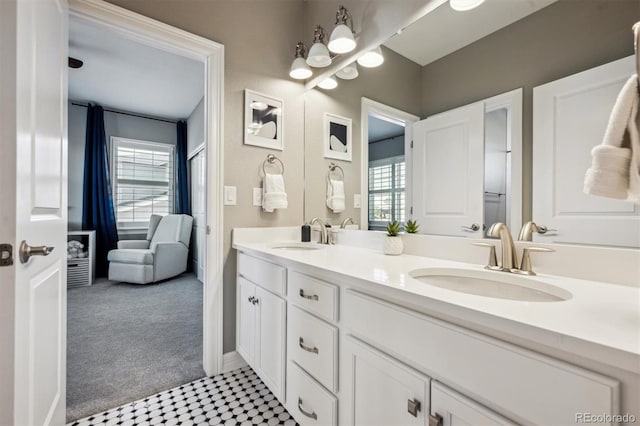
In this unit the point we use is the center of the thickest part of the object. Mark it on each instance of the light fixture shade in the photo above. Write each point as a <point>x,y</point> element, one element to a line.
<point>319,56</point>
<point>372,58</point>
<point>349,72</point>
<point>328,83</point>
<point>342,40</point>
<point>463,5</point>
<point>299,69</point>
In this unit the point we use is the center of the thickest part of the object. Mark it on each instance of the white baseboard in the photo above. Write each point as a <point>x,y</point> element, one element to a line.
<point>232,361</point>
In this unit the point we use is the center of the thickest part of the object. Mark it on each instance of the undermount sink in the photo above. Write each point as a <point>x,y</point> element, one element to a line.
<point>495,284</point>
<point>297,246</point>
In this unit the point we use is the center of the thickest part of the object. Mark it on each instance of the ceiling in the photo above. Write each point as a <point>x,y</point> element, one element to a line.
<point>444,30</point>
<point>127,75</point>
<point>382,129</point>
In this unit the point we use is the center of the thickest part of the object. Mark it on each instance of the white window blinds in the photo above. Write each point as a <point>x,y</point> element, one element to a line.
<point>386,191</point>
<point>142,180</point>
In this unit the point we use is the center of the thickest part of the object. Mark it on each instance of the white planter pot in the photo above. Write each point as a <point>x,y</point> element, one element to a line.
<point>393,245</point>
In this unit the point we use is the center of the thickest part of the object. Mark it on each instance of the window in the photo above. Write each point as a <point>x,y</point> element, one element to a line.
<point>386,191</point>
<point>142,180</point>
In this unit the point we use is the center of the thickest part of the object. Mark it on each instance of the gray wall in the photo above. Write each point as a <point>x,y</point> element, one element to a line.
<point>562,39</point>
<point>395,84</point>
<point>114,125</point>
<point>387,148</point>
<point>259,39</point>
<point>195,127</point>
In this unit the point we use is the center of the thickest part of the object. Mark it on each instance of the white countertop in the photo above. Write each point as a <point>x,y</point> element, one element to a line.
<point>600,322</point>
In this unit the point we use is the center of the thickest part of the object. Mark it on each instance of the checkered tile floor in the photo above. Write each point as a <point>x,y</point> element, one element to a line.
<point>235,398</point>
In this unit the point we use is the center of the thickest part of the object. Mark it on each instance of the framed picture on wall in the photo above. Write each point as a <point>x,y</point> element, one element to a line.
<point>263,120</point>
<point>337,137</point>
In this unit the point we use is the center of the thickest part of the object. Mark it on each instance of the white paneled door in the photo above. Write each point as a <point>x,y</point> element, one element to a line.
<point>448,172</point>
<point>198,207</point>
<point>40,181</point>
<point>570,116</point>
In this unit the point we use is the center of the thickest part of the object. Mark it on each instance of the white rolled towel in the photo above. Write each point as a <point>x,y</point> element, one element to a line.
<point>273,193</point>
<point>335,195</point>
<point>615,166</point>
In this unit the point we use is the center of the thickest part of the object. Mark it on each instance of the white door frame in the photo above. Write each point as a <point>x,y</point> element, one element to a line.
<point>162,36</point>
<point>394,115</point>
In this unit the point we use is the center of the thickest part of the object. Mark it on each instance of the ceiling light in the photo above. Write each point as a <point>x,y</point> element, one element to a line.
<point>372,58</point>
<point>328,83</point>
<point>299,68</point>
<point>463,5</point>
<point>349,72</point>
<point>319,54</point>
<point>342,40</point>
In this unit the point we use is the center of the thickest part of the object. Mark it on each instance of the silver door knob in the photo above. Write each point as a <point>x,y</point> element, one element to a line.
<point>473,228</point>
<point>26,251</point>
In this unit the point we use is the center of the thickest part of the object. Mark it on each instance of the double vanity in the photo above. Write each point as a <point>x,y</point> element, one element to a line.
<point>342,334</point>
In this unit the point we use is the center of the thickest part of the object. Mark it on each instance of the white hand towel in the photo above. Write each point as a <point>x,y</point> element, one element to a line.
<point>273,193</point>
<point>335,195</point>
<point>615,168</point>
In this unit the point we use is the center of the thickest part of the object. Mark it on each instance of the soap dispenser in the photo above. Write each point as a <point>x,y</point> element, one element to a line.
<point>306,233</point>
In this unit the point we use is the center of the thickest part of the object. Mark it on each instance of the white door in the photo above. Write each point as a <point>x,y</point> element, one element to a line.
<point>385,392</point>
<point>34,198</point>
<point>448,172</point>
<point>570,116</point>
<point>246,320</point>
<point>198,203</point>
<point>270,345</point>
<point>458,410</point>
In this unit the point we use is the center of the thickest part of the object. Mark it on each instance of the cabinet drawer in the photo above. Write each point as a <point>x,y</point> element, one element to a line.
<point>307,401</point>
<point>313,295</point>
<point>267,275</point>
<point>519,384</point>
<point>455,409</point>
<point>313,344</point>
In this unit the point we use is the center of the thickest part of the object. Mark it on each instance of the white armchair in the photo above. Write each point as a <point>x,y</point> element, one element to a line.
<point>162,255</point>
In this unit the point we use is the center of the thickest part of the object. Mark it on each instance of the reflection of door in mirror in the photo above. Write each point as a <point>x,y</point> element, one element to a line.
<point>467,168</point>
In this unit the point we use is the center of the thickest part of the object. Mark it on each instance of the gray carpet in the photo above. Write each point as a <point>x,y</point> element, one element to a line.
<point>125,342</point>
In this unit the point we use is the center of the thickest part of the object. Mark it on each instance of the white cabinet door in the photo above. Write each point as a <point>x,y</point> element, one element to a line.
<point>246,320</point>
<point>458,410</point>
<point>448,172</point>
<point>385,392</point>
<point>270,343</point>
<point>198,203</point>
<point>570,116</point>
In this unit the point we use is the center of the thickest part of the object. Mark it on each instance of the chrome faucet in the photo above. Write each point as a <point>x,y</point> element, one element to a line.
<point>509,257</point>
<point>324,235</point>
<point>346,222</point>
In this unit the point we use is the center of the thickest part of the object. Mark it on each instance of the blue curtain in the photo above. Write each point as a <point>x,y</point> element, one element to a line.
<point>182,177</point>
<point>97,204</point>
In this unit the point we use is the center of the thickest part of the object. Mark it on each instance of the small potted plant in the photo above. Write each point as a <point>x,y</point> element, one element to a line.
<point>392,242</point>
<point>411,227</point>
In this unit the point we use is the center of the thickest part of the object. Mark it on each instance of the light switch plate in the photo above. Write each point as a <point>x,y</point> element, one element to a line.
<point>357,201</point>
<point>230,196</point>
<point>257,197</point>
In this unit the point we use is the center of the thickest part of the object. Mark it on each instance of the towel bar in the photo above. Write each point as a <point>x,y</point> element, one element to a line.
<point>271,159</point>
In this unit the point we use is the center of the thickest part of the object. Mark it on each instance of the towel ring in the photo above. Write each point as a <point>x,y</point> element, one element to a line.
<point>332,168</point>
<point>271,159</point>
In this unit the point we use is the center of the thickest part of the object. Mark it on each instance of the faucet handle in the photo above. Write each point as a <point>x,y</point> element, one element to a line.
<point>493,260</point>
<point>525,265</point>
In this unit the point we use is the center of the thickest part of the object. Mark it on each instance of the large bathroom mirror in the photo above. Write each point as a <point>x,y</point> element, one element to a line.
<point>485,66</point>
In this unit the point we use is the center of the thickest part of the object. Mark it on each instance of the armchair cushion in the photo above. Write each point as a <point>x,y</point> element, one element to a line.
<point>133,244</point>
<point>131,256</point>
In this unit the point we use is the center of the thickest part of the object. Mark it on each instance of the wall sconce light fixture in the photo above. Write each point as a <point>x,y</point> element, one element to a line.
<point>464,5</point>
<point>342,40</point>
<point>299,68</point>
<point>349,72</point>
<point>328,83</point>
<point>372,58</point>
<point>319,56</point>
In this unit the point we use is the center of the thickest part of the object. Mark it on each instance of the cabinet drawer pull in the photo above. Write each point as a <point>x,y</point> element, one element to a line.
<point>413,407</point>
<point>435,420</point>
<point>313,350</point>
<point>310,297</point>
<point>311,415</point>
